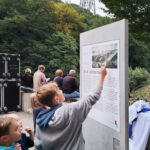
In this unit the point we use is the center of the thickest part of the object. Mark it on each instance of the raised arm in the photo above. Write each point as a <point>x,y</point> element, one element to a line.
<point>81,108</point>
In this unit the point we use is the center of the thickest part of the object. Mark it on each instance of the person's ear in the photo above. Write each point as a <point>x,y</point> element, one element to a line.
<point>4,139</point>
<point>55,100</point>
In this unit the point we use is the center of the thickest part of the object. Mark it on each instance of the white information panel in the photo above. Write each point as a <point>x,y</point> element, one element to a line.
<point>106,110</point>
<point>106,127</point>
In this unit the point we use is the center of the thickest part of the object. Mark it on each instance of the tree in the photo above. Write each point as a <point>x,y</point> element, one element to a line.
<point>63,55</point>
<point>24,27</point>
<point>138,54</point>
<point>92,21</point>
<point>34,54</point>
<point>70,21</point>
<point>136,11</point>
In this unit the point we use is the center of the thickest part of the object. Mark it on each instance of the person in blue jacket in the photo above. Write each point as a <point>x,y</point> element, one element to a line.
<point>59,78</point>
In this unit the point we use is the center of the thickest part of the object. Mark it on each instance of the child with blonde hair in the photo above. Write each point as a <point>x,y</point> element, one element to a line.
<point>33,101</point>
<point>25,141</point>
<point>9,133</point>
<point>36,107</point>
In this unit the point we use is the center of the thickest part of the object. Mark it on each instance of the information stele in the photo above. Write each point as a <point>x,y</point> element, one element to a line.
<point>106,127</point>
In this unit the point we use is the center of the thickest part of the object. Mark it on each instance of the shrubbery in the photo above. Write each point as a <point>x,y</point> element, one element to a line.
<point>137,78</point>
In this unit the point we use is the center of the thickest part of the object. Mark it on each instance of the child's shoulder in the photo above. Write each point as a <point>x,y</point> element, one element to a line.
<point>37,109</point>
<point>9,147</point>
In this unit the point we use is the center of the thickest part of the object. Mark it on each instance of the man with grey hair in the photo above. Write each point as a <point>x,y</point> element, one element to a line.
<point>70,86</point>
<point>39,78</point>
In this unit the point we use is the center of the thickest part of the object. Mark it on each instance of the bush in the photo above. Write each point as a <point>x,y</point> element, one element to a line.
<point>63,54</point>
<point>137,78</point>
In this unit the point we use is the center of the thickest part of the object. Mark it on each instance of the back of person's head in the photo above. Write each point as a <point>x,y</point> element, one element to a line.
<point>72,72</point>
<point>5,123</point>
<point>28,70</point>
<point>41,67</point>
<point>59,72</point>
<point>46,93</point>
<point>33,101</point>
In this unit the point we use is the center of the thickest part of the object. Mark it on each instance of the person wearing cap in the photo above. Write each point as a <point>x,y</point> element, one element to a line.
<point>39,78</point>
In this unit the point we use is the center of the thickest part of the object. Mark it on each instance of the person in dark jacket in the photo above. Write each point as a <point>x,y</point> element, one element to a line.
<point>70,86</point>
<point>59,79</point>
<point>27,79</point>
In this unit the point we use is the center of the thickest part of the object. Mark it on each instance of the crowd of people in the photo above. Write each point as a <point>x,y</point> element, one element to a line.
<point>56,126</point>
<point>67,84</point>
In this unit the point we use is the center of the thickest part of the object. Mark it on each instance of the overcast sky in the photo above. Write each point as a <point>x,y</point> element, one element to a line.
<point>98,6</point>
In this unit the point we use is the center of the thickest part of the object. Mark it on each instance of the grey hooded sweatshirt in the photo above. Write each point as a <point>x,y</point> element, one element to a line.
<point>64,130</point>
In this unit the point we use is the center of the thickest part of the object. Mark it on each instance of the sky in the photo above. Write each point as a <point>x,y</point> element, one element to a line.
<point>97,3</point>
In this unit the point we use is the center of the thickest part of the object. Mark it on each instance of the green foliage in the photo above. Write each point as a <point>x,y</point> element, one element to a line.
<point>54,56</point>
<point>57,1</point>
<point>141,94</point>
<point>136,11</point>
<point>98,21</point>
<point>137,78</point>
<point>70,21</point>
<point>63,55</point>
<point>33,22</point>
<point>28,27</point>
<point>32,29</point>
<point>34,54</point>
<point>138,54</point>
<point>92,21</point>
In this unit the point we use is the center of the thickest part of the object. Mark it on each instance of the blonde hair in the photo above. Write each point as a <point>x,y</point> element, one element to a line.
<point>5,122</point>
<point>41,66</point>
<point>27,70</point>
<point>33,100</point>
<point>59,72</point>
<point>46,93</point>
<point>12,116</point>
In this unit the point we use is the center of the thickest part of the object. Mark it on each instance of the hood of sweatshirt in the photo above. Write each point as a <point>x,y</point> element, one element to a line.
<point>45,116</point>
